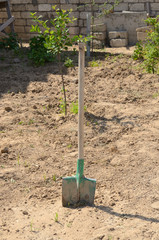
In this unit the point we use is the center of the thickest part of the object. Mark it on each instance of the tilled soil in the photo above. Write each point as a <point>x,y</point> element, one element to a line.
<point>38,146</point>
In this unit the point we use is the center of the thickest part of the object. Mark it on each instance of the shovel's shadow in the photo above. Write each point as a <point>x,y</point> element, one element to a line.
<point>125,216</point>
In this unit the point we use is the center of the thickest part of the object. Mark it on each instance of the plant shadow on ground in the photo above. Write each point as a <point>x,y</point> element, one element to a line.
<point>100,123</point>
<point>12,66</point>
<point>125,215</point>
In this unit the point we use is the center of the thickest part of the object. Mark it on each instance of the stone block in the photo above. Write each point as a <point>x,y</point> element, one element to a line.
<point>81,23</point>
<point>19,29</point>
<point>69,6</point>
<point>98,44</point>
<point>31,7</point>
<point>25,15</point>
<point>74,30</point>
<point>154,6</point>
<point>20,1</point>
<point>118,42</point>
<point>141,36</point>
<point>20,22</point>
<point>99,35</point>
<point>18,8</point>
<point>118,34</point>
<point>83,31</point>
<point>73,24</point>
<point>99,27</point>
<point>121,7</point>
<point>143,29</point>
<point>138,7</point>
<point>44,7</point>
<point>16,14</point>
<point>83,15</point>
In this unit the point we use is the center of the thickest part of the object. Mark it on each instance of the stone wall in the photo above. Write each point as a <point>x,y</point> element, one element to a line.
<point>21,11</point>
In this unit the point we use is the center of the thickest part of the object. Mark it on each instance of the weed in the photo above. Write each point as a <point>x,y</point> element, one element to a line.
<point>21,123</point>
<point>69,224</point>
<point>18,160</point>
<point>155,95</point>
<point>107,56</point>
<point>62,106</point>
<point>31,121</point>
<point>56,217</point>
<point>110,237</point>
<point>31,226</point>
<point>31,145</point>
<point>39,131</point>
<point>69,145</point>
<point>2,166</point>
<point>94,63</point>
<point>68,62</point>
<point>74,107</point>
<point>2,132</point>
<point>26,164</point>
<point>44,176</point>
<point>54,178</point>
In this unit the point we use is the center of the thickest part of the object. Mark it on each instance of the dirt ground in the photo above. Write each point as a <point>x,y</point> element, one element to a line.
<point>38,146</point>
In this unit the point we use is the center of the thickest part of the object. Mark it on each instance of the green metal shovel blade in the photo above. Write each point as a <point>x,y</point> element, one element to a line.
<point>78,189</point>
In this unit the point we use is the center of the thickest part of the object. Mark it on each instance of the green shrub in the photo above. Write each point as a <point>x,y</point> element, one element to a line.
<point>10,43</point>
<point>148,50</point>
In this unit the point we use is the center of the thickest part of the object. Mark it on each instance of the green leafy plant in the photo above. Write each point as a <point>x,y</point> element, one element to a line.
<point>62,106</point>
<point>56,217</point>
<point>10,42</point>
<point>74,107</point>
<point>54,178</point>
<point>94,63</point>
<point>68,62</point>
<point>38,53</point>
<point>138,52</point>
<point>148,50</point>
<point>56,38</point>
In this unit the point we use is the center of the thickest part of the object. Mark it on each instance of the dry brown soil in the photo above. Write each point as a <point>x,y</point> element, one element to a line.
<point>38,146</point>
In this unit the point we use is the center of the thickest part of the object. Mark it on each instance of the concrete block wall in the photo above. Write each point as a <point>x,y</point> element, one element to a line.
<point>21,11</point>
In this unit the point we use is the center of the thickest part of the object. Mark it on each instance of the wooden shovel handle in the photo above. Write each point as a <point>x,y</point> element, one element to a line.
<point>81,101</point>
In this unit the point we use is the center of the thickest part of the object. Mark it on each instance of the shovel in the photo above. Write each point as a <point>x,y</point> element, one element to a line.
<point>78,189</point>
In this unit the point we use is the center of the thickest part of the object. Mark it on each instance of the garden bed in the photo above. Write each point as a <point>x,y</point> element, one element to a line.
<point>39,146</point>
